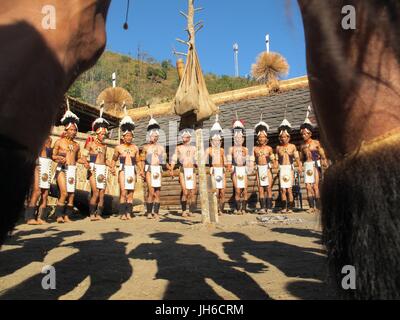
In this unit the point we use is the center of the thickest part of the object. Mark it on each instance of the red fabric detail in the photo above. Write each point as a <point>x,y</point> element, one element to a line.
<point>89,140</point>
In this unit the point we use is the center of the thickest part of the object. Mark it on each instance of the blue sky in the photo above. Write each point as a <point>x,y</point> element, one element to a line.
<point>154,25</point>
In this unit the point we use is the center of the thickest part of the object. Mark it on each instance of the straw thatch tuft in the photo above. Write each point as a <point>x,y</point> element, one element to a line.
<point>269,67</point>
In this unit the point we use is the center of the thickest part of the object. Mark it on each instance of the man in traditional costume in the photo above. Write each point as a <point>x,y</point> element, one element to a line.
<point>41,186</point>
<point>313,156</point>
<point>98,173</point>
<point>240,164</point>
<point>287,155</point>
<point>215,158</point>
<point>67,154</point>
<point>153,156</point>
<point>185,155</point>
<point>265,160</point>
<point>128,155</point>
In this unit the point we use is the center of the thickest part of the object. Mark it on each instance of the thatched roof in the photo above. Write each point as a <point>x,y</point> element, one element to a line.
<point>87,113</point>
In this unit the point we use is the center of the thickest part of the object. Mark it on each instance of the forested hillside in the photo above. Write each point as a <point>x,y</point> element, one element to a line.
<point>147,80</point>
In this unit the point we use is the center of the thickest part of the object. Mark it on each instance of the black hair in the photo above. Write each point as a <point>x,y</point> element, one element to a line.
<point>128,127</point>
<point>99,125</point>
<point>153,127</point>
<point>285,128</point>
<point>261,128</point>
<point>307,126</point>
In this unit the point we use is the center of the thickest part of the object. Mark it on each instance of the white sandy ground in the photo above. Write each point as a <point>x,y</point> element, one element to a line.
<point>174,258</point>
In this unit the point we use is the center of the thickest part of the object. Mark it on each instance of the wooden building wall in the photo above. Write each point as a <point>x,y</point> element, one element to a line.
<point>171,191</point>
<point>170,194</point>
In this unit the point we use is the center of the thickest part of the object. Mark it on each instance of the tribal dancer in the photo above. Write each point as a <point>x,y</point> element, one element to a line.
<point>97,175</point>
<point>215,157</point>
<point>240,163</point>
<point>67,154</point>
<point>41,186</point>
<point>313,156</point>
<point>185,155</point>
<point>128,155</point>
<point>265,160</point>
<point>287,154</point>
<point>153,156</point>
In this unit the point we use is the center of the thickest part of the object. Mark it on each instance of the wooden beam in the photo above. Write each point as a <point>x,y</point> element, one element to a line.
<point>157,110</point>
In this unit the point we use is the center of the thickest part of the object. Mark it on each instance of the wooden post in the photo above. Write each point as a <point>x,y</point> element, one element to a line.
<point>207,195</point>
<point>205,208</point>
<point>207,188</point>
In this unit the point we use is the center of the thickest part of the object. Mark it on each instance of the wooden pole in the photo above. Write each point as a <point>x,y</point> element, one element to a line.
<point>204,204</point>
<point>267,42</point>
<point>208,207</point>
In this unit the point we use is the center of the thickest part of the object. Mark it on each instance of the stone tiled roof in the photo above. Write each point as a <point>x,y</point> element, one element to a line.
<point>272,107</point>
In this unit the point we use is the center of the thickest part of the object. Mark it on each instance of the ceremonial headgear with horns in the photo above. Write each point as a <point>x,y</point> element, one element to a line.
<point>69,119</point>
<point>127,125</point>
<point>238,127</point>
<point>261,127</point>
<point>186,132</point>
<point>285,128</point>
<point>307,125</point>
<point>100,124</point>
<point>216,129</point>
<point>153,127</point>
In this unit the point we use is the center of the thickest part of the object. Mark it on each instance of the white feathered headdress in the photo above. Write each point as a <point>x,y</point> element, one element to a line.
<point>127,125</point>
<point>69,119</point>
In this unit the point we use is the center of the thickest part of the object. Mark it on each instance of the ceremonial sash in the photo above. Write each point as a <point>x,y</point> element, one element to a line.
<point>100,173</point>
<point>189,178</point>
<point>218,175</point>
<point>44,173</point>
<point>129,177</point>
<point>240,177</point>
<point>70,174</point>
<point>263,175</point>
<point>309,172</point>
<point>285,176</point>
<point>155,172</point>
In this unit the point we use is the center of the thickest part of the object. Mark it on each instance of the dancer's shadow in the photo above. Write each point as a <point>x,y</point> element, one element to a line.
<point>31,250</point>
<point>186,267</point>
<point>170,219</point>
<point>104,261</point>
<point>17,235</point>
<point>293,261</point>
<point>306,233</point>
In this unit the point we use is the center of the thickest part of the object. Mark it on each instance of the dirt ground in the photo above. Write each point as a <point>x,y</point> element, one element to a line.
<point>241,258</point>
